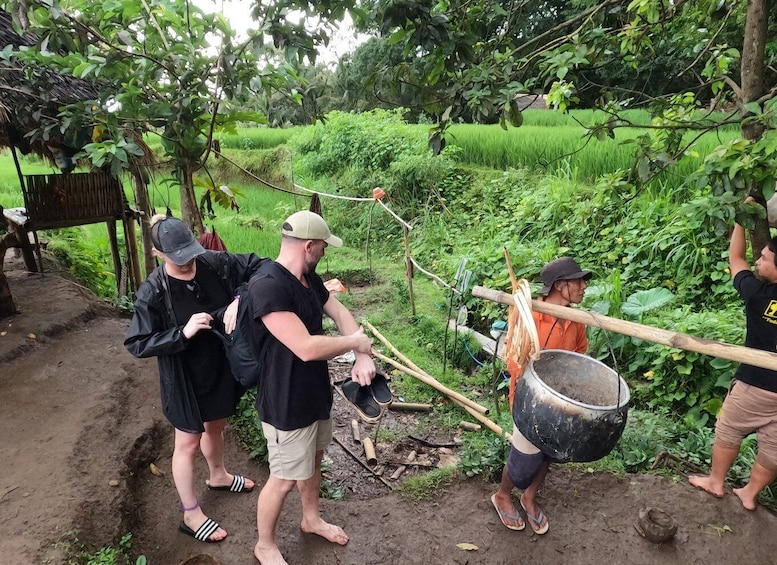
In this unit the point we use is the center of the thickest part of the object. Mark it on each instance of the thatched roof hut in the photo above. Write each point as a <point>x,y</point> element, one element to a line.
<point>30,96</point>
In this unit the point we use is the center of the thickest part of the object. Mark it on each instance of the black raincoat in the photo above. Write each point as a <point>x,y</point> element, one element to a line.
<point>154,332</point>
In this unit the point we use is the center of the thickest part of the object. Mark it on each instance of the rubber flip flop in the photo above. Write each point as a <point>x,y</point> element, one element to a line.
<point>536,521</point>
<point>361,399</point>
<point>380,390</point>
<point>508,515</point>
<point>238,485</point>
<point>204,532</point>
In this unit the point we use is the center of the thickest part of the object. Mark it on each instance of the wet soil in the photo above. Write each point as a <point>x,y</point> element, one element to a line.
<point>81,424</point>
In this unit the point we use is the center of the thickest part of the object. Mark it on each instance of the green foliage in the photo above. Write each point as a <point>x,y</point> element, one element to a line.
<point>85,259</point>
<point>248,427</point>
<point>428,486</point>
<point>107,555</point>
<point>484,456</point>
<point>688,384</point>
<point>329,489</point>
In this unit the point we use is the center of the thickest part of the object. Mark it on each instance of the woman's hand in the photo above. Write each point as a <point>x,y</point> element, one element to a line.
<point>199,321</point>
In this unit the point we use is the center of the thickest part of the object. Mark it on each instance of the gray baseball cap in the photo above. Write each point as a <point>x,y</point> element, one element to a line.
<point>174,238</point>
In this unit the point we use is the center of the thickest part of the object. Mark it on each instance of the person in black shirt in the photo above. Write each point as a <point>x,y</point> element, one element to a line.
<point>751,403</point>
<point>294,395</point>
<point>172,321</point>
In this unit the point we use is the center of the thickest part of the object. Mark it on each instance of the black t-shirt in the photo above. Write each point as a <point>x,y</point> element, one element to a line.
<point>761,312</point>
<point>204,362</point>
<point>292,393</point>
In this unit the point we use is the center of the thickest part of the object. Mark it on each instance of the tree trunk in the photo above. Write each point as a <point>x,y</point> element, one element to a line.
<point>144,205</point>
<point>753,87</point>
<point>190,212</point>
<point>7,304</point>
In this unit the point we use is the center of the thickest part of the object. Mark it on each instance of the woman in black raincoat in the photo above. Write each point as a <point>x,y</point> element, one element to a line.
<point>174,312</point>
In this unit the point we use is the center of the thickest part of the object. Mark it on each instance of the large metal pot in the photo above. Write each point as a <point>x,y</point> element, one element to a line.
<point>571,406</point>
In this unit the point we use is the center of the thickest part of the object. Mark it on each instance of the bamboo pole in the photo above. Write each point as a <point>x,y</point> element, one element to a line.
<point>434,383</point>
<point>474,413</point>
<point>469,426</point>
<point>411,406</point>
<point>419,373</point>
<point>720,349</point>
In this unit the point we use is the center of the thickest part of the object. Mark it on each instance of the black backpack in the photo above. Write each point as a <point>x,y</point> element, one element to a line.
<point>240,346</point>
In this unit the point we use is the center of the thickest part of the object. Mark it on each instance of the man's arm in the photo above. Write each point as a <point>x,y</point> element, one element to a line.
<point>737,249</point>
<point>287,328</point>
<point>363,369</point>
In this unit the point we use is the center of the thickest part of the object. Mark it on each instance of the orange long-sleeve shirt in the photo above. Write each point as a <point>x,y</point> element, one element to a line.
<point>554,333</point>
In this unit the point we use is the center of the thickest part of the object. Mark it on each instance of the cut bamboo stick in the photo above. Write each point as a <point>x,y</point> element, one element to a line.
<point>401,469</point>
<point>355,431</point>
<point>369,452</point>
<point>469,426</point>
<point>425,377</point>
<point>411,406</point>
<point>669,338</point>
<point>432,382</point>
<point>362,463</point>
<point>485,421</point>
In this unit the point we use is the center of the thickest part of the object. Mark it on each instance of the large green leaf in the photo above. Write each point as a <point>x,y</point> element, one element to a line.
<point>646,300</point>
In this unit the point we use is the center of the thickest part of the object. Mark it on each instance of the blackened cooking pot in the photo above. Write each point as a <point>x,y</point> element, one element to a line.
<point>570,406</point>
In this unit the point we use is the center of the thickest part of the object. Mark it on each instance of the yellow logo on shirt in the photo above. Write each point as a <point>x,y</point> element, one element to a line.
<point>771,311</point>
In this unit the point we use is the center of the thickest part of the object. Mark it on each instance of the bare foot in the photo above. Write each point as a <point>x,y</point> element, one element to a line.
<point>537,519</point>
<point>270,555</point>
<point>328,531</point>
<point>706,483</point>
<point>748,502</point>
<point>507,512</point>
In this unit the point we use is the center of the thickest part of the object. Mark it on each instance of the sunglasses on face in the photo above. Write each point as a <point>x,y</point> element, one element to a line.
<point>194,286</point>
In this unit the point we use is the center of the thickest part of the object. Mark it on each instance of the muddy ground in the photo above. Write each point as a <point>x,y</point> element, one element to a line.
<point>81,423</point>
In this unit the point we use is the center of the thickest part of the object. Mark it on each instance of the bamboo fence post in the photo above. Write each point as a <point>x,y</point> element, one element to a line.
<point>720,349</point>
<point>408,268</point>
<point>355,431</point>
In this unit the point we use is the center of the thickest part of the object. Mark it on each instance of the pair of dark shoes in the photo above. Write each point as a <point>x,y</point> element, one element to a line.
<point>369,401</point>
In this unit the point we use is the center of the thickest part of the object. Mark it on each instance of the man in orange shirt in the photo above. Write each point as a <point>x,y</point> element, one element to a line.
<point>564,284</point>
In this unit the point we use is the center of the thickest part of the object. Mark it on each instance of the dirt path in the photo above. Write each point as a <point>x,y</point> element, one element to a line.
<point>81,423</point>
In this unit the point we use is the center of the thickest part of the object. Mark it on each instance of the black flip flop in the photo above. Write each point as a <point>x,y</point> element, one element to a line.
<point>361,399</point>
<point>380,390</point>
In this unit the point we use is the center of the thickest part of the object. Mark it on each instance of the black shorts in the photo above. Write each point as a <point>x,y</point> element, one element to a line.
<point>523,467</point>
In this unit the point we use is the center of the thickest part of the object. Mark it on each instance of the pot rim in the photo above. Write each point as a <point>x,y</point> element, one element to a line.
<point>624,387</point>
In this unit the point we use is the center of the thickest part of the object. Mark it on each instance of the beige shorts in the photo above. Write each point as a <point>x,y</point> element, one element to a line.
<point>749,409</point>
<point>292,454</point>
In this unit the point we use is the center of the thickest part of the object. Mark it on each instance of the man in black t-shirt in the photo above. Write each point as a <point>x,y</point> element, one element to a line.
<point>294,396</point>
<point>751,403</point>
